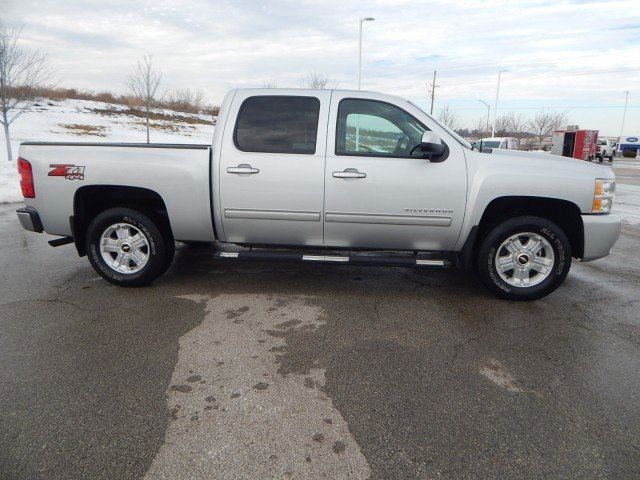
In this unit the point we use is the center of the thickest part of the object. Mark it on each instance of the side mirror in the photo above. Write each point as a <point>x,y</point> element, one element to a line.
<point>432,145</point>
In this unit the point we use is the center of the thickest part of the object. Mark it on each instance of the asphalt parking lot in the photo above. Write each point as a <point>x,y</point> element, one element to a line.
<point>225,370</point>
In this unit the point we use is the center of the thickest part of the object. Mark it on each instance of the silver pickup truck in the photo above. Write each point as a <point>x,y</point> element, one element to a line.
<point>337,176</point>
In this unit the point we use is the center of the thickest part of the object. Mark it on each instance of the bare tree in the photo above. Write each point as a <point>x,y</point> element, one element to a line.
<point>143,84</point>
<point>448,117</point>
<point>22,74</point>
<point>269,84</point>
<point>480,127</point>
<point>186,100</point>
<point>517,126</point>
<point>502,126</point>
<point>318,81</point>
<point>545,123</point>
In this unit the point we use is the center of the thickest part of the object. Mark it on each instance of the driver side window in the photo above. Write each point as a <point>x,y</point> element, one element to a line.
<point>372,128</point>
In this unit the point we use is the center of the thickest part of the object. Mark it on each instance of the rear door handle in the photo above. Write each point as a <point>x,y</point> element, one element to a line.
<point>243,168</point>
<point>349,173</point>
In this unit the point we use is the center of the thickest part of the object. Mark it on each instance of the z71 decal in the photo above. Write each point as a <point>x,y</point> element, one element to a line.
<point>68,171</point>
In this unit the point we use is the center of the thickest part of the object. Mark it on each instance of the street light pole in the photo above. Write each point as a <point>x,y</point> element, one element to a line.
<point>488,112</point>
<point>495,108</point>
<point>365,19</point>
<point>624,114</point>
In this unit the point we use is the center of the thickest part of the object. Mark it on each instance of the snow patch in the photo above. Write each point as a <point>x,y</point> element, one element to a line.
<point>9,182</point>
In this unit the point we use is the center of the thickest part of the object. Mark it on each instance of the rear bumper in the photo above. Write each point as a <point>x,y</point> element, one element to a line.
<point>600,233</point>
<point>29,219</point>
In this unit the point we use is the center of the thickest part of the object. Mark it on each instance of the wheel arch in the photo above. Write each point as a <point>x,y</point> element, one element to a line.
<point>563,213</point>
<point>90,200</point>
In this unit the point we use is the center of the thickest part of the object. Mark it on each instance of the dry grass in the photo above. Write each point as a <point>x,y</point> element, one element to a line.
<point>179,128</point>
<point>133,112</point>
<point>80,130</point>
<point>180,102</point>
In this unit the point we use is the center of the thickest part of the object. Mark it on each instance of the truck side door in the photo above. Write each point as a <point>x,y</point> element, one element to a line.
<point>379,190</point>
<point>272,167</point>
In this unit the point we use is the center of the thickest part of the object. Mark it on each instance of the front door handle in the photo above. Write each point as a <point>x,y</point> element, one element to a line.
<point>349,173</point>
<point>243,168</point>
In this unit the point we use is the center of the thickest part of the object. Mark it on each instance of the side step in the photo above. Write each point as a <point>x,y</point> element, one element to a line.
<point>353,259</point>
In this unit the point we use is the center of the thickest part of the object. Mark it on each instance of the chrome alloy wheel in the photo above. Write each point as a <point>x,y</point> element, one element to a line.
<point>524,259</point>
<point>124,248</point>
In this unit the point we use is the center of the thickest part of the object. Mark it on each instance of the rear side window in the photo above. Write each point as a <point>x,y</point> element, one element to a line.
<point>277,124</point>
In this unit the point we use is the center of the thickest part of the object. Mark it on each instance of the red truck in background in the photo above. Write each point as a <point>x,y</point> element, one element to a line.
<point>576,143</point>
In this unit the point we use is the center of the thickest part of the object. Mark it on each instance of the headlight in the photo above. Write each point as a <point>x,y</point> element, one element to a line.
<point>603,195</point>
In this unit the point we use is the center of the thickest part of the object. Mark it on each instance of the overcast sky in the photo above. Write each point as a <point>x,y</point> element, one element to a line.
<point>218,45</point>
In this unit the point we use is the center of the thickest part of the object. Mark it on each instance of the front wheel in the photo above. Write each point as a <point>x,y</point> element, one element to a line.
<point>127,248</point>
<point>524,258</point>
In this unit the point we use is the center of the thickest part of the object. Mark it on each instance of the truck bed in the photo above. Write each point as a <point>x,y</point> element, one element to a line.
<point>178,173</point>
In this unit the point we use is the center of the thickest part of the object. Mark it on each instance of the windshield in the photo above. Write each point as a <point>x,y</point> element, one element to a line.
<point>457,137</point>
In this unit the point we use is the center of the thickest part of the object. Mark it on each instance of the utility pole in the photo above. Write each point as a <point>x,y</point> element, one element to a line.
<point>433,91</point>
<point>624,114</point>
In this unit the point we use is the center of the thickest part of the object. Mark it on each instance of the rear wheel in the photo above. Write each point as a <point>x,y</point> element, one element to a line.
<point>524,258</point>
<point>127,248</point>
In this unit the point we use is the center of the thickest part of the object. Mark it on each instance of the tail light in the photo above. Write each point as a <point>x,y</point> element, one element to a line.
<point>26,178</point>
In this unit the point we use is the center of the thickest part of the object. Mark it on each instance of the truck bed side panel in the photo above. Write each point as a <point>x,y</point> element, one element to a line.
<point>179,174</point>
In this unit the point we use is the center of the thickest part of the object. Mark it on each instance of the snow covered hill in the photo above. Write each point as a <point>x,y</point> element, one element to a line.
<point>88,121</point>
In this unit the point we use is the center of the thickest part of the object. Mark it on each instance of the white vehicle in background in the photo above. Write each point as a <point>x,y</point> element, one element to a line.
<point>504,143</point>
<point>605,149</point>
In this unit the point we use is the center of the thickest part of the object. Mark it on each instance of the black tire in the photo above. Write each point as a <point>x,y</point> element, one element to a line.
<point>159,251</point>
<point>170,250</point>
<point>560,266</point>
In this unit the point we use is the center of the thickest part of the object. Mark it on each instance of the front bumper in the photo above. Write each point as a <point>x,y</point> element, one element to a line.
<point>29,219</point>
<point>600,233</point>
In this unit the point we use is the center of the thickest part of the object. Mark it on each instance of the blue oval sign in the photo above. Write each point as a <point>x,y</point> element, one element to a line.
<point>632,139</point>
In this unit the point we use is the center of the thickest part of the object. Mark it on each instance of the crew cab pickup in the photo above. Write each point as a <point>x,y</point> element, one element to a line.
<point>349,177</point>
<point>605,150</point>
